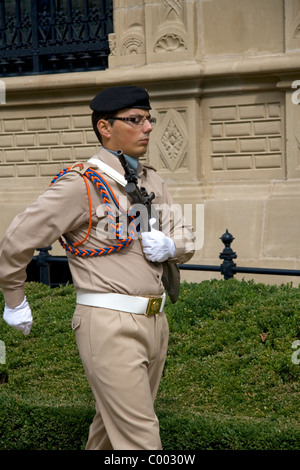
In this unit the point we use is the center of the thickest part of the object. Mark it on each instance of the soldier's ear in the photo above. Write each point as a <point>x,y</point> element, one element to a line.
<point>104,127</point>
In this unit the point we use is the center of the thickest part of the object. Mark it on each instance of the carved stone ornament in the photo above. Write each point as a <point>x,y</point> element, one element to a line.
<point>133,46</point>
<point>170,43</point>
<point>172,9</point>
<point>112,43</point>
<point>172,140</point>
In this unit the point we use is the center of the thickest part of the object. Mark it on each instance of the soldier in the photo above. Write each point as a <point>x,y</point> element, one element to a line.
<point>119,322</point>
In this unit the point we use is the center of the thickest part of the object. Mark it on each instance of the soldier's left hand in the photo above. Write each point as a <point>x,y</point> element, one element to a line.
<point>157,247</point>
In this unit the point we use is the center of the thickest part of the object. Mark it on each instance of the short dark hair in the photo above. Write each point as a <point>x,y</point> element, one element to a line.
<point>96,116</point>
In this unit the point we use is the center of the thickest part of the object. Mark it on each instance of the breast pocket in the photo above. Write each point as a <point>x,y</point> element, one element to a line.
<point>112,224</point>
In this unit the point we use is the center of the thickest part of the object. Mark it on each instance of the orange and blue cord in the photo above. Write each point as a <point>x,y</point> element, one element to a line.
<point>106,193</point>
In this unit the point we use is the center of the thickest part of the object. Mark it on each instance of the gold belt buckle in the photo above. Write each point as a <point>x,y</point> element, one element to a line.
<point>154,306</point>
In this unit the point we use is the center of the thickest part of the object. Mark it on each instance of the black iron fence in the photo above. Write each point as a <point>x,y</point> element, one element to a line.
<point>54,36</point>
<point>54,270</point>
<point>229,268</point>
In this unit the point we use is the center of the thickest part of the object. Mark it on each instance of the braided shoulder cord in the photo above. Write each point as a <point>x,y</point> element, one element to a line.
<point>105,192</point>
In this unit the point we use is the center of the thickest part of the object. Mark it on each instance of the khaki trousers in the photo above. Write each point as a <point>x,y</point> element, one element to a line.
<point>123,355</point>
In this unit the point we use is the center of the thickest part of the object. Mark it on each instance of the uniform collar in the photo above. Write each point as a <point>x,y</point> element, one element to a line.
<point>132,162</point>
<point>105,155</point>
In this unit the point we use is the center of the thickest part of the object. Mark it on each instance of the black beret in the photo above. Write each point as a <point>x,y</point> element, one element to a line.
<point>120,97</point>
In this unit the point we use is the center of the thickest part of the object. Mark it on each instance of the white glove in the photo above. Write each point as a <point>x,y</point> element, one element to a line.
<point>156,246</point>
<point>19,317</point>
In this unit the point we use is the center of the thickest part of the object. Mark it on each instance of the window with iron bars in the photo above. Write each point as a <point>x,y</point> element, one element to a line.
<point>54,36</point>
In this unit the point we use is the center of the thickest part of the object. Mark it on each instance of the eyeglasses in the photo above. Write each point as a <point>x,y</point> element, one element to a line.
<point>138,121</point>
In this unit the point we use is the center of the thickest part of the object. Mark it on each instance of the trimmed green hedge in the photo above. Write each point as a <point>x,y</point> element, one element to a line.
<point>224,386</point>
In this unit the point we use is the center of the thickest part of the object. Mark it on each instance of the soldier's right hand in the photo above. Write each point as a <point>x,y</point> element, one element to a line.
<point>19,317</point>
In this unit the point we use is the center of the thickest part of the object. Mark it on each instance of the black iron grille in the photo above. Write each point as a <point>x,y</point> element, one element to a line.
<point>54,36</point>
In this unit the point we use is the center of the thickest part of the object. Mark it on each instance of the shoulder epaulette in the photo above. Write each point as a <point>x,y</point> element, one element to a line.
<point>80,167</point>
<point>150,167</point>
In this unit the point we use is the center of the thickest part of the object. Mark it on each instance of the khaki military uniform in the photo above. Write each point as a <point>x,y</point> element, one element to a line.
<point>123,354</point>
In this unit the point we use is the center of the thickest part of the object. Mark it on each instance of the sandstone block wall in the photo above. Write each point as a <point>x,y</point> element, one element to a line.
<point>223,76</point>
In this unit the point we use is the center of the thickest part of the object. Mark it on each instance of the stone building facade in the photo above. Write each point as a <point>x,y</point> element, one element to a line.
<point>224,80</point>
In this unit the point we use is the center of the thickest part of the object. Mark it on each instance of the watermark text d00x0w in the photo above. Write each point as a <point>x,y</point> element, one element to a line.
<point>296,93</point>
<point>2,352</point>
<point>2,92</point>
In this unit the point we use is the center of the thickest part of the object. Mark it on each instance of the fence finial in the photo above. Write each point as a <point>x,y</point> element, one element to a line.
<point>227,255</point>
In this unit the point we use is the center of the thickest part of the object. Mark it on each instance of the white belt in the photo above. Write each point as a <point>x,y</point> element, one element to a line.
<point>125,303</point>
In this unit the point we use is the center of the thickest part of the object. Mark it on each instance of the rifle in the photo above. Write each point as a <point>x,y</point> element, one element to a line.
<point>171,274</point>
<point>138,195</point>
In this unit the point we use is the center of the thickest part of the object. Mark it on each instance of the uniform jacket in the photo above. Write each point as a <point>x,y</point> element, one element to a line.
<point>64,209</point>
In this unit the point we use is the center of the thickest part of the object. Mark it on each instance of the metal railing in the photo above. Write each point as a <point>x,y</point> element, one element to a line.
<point>54,270</point>
<point>229,268</point>
<point>54,36</point>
